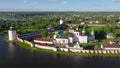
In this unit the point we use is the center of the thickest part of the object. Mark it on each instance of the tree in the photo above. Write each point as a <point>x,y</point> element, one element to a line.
<point>97,47</point>
<point>116,33</point>
<point>44,34</point>
<point>107,29</point>
<point>67,33</point>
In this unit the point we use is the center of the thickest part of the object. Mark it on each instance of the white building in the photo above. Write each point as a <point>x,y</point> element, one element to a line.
<point>97,21</point>
<point>70,40</point>
<point>61,21</point>
<point>12,34</point>
<point>61,41</point>
<point>82,23</point>
<point>82,38</point>
<point>43,41</point>
<point>91,22</point>
<point>77,45</point>
<point>76,36</point>
<point>109,36</point>
<point>119,22</point>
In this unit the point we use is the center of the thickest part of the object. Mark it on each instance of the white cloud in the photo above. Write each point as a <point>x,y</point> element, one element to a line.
<point>25,1</point>
<point>116,0</point>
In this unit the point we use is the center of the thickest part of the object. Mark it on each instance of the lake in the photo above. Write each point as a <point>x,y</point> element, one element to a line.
<point>13,56</point>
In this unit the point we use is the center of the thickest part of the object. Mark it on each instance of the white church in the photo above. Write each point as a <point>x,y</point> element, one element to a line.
<point>77,37</point>
<point>82,37</point>
<point>61,21</point>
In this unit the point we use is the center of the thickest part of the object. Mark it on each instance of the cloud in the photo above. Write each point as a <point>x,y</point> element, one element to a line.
<point>116,0</point>
<point>25,1</point>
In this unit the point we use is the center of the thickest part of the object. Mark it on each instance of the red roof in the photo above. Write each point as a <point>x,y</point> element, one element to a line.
<point>44,39</point>
<point>112,46</point>
<point>43,44</point>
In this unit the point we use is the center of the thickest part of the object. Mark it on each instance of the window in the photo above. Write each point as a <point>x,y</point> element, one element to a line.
<point>63,41</point>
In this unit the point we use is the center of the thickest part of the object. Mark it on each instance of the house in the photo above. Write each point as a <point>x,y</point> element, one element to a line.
<point>111,46</point>
<point>91,22</point>
<point>97,21</point>
<point>109,36</point>
<point>119,22</point>
<point>61,41</point>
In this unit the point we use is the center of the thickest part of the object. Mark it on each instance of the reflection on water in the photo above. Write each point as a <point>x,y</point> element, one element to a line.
<point>11,50</point>
<point>13,56</point>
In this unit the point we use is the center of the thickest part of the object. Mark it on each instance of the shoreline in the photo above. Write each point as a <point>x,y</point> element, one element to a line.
<point>27,46</point>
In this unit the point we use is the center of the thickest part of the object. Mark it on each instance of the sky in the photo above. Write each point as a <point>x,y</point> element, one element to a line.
<point>59,5</point>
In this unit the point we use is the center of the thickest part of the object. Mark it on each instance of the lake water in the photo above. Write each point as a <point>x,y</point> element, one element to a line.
<point>12,56</point>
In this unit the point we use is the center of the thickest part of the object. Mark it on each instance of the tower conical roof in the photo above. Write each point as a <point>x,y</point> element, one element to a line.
<point>11,28</point>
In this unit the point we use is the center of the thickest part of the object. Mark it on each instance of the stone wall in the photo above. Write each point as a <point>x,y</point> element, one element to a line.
<point>71,49</point>
<point>96,51</point>
<point>28,42</point>
<point>25,41</point>
<point>44,47</point>
<point>19,39</point>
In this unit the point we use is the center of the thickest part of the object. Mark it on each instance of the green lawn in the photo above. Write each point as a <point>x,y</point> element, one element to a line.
<point>6,39</point>
<point>24,45</point>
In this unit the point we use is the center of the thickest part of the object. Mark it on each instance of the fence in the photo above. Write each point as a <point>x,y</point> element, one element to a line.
<point>45,47</point>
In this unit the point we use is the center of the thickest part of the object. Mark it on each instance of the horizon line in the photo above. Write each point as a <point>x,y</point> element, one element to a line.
<point>57,11</point>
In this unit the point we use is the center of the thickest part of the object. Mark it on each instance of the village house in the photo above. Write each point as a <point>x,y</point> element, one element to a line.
<point>109,36</point>
<point>111,46</point>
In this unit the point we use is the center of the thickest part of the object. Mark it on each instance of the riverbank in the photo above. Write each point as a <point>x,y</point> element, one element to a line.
<point>27,46</point>
<point>6,39</point>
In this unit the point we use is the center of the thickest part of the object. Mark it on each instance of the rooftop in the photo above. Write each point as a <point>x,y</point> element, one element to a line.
<point>114,45</point>
<point>44,39</point>
<point>11,28</point>
<point>61,27</point>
